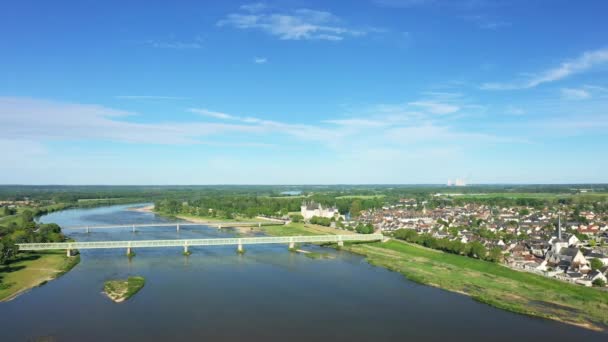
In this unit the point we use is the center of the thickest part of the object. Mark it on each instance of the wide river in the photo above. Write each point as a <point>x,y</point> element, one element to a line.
<point>266,294</point>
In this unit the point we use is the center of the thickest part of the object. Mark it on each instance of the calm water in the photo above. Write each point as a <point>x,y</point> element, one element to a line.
<point>266,294</point>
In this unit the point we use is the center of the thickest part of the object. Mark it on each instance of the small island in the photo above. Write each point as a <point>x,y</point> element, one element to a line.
<point>120,290</point>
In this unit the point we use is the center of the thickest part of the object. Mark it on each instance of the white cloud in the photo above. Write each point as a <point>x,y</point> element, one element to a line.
<point>574,94</point>
<point>260,60</point>
<point>511,110</point>
<point>355,122</point>
<point>435,107</point>
<point>254,7</point>
<point>177,45</point>
<point>486,22</point>
<point>402,3</point>
<point>583,63</point>
<point>149,97</point>
<point>212,114</point>
<point>42,120</point>
<point>300,24</point>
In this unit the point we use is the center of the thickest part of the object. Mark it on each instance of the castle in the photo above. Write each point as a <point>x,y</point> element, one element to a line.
<point>310,209</point>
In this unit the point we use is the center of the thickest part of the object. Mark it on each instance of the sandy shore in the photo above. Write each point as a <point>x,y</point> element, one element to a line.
<point>146,209</point>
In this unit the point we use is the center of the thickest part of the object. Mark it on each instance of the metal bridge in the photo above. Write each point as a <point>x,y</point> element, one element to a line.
<point>175,224</point>
<point>239,242</point>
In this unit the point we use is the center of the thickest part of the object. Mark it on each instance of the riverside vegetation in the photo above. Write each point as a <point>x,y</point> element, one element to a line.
<point>484,281</point>
<point>122,289</point>
<point>21,271</point>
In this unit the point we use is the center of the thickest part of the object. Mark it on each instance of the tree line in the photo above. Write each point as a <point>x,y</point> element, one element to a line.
<point>23,229</point>
<point>474,249</point>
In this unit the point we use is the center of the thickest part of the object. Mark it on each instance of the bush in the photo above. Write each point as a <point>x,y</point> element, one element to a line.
<point>296,218</point>
<point>596,264</point>
<point>599,283</point>
<point>323,221</point>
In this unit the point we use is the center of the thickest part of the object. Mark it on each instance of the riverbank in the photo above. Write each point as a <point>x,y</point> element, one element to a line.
<point>31,270</point>
<point>123,289</point>
<point>146,209</point>
<point>491,283</point>
<point>486,282</point>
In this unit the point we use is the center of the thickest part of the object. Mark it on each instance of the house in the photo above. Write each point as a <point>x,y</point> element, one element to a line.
<point>594,275</point>
<point>567,255</point>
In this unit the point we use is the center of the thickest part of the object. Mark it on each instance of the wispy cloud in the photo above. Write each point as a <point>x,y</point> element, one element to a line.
<point>41,120</point>
<point>299,24</point>
<point>224,116</point>
<point>175,44</point>
<point>213,114</point>
<point>403,3</point>
<point>358,122</point>
<point>254,7</point>
<point>387,127</point>
<point>149,97</point>
<point>583,63</point>
<point>512,110</point>
<point>575,94</point>
<point>487,22</point>
<point>260,60</point>
<point>435,107</point>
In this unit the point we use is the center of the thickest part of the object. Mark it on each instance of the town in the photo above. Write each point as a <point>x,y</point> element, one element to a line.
<point>561,242</point>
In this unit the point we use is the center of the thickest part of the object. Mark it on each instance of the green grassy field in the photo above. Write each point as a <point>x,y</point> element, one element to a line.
<point>294,229</point>
<point>33,269</point>
<point>360,196</point>
<point>491,283</point>
<point>209,218</point>
<point>535,195</point>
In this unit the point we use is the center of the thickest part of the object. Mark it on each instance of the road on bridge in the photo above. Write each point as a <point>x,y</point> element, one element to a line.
<point>185,243</point>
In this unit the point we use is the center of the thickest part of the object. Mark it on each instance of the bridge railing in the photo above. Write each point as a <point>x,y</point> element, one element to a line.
<point>197,242</point>
<point>173,224</point>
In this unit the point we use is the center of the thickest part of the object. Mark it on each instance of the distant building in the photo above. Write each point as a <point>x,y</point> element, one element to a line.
<point>310,209</point>
<point>458,182</point>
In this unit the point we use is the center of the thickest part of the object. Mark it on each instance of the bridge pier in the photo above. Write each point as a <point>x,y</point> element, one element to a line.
<point>292,244</point>
<point>69,252</point>
<point>88,230</point>
<point>239,248</point>
<point>186,251</point>
<point>340,242</point>
<point>178,227</point>
<point>219,226</point>
<point>259,224</point>
<point>133,228</point>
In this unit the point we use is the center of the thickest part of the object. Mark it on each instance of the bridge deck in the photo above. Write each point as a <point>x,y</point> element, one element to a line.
<point>198,242</point>
<point>173,224</point>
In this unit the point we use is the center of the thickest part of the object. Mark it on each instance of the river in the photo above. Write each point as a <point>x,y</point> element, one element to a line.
<point>266,294</point>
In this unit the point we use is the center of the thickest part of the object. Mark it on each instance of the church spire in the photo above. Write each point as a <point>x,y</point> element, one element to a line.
<point>559,227</point>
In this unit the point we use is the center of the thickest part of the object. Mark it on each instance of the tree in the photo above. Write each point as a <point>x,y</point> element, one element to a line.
<point>476,249</point>
<point>405,234</point>
<point>596,264</point>
<point>495,255</point>
<point>296,218</point>
<point>7,250</point>
<point>364,229</point>
<point>599,282</point>
<point>355,208</point>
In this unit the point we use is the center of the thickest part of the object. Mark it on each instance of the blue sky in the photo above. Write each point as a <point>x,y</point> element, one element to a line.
<point>300,92</point>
